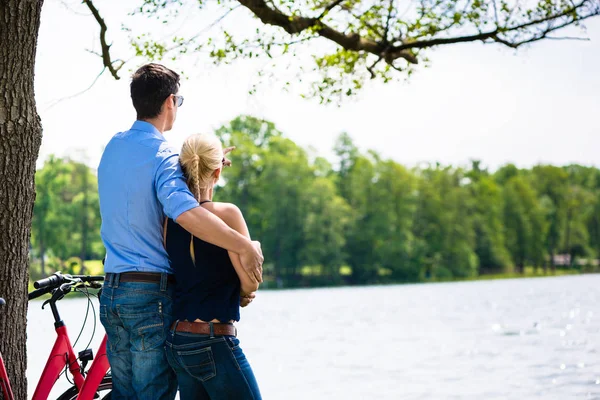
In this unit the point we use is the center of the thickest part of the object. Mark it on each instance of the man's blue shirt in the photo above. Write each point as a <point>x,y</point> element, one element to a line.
<point>139,182</point>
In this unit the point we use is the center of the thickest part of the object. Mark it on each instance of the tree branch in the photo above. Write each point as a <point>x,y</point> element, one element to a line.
<point>419,44</point>
<point>387,21</point>
<point>540,36</point>
<point>354,42</point>
<point>358,18</point>
<point>372,66</point>
<point>296,24</point>
<point>54,103</point>
<point>496,12</point>
<point>204,30</point>
<point>106,61</point>
<point>583,39</point>
<point>329,8</point>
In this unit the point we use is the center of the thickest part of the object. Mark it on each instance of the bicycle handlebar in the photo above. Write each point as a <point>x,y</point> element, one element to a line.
<point>52,280</point>
<point>57,279</point>
<point>40,292</point>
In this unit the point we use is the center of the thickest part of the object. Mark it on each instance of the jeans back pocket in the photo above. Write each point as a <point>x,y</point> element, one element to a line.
<point>146,324</point>
<point>198,363</point>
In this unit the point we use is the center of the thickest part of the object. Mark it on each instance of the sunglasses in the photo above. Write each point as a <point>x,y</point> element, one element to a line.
<point>178,100</point>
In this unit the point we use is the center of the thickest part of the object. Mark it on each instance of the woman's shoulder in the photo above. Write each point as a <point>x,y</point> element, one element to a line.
<point>228,212</point>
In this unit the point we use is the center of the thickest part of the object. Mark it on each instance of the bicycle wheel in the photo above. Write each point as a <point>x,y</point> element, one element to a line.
<point>104,391</point>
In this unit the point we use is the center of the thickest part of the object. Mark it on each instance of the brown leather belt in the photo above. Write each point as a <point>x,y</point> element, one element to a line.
<point>149,277</point>
<point>203,328</point>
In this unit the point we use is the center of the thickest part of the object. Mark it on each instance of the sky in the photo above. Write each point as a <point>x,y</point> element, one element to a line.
<point>536,105</point>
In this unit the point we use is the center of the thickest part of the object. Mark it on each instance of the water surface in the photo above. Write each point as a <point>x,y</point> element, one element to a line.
<point>505,339</point>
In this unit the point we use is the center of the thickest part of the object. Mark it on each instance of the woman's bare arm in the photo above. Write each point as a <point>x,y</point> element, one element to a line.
<point>216,230</point>
<point>232,216</point>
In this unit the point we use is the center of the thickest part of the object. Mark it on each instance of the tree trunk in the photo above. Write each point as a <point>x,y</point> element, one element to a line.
<point>521,267</point>
<point>545,267</point>
<point>20,138</point>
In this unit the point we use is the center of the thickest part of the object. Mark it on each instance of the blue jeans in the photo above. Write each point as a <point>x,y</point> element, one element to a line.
<point>211,367</point>
<point>136,317</point>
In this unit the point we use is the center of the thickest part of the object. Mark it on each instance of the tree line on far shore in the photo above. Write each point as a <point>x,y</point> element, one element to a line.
<point>359,218</point>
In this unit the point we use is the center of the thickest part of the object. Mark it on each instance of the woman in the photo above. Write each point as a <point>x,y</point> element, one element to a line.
<point>202,346</point>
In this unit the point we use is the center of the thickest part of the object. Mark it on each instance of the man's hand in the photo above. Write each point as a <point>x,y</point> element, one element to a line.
<point>252,260</point>
<point>247,299</point>
<point>227,161</point>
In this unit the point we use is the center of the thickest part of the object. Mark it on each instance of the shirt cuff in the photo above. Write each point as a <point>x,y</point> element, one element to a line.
<point>183,205</point>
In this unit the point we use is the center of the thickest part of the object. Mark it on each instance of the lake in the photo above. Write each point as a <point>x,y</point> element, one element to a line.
<point>503,339</point>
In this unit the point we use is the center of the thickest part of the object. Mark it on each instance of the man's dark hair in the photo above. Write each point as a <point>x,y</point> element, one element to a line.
<point>150,86</point>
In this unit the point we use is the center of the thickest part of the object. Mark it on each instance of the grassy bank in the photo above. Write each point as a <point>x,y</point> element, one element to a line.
<point>312,275</point>
<point>529,272</point>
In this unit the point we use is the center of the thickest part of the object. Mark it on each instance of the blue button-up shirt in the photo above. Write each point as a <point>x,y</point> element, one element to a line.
<point>139,182</point>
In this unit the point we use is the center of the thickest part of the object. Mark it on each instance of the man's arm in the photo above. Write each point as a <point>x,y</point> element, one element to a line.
<point>206,226</point>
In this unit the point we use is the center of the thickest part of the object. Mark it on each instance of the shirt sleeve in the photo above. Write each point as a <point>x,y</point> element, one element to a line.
<point>171,187</point>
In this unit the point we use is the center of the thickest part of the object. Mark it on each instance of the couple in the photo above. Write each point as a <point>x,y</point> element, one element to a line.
<point>178,266</point>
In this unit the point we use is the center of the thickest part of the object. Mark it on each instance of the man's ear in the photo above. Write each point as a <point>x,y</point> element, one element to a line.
<point>168,103</point>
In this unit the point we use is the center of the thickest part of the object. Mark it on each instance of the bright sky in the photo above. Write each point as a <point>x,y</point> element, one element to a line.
<point>540,104</point>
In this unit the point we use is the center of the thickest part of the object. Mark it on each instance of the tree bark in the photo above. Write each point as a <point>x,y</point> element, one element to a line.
<point>20,139</point>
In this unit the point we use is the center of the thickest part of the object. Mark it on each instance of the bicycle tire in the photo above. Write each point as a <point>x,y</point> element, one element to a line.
<point>106,384</point>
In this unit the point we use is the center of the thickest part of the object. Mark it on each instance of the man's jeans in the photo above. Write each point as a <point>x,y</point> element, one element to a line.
<point>210,367</point>
<point>136,316</point>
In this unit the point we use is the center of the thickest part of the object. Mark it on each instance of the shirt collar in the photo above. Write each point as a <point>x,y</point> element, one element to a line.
<point>146,127</point>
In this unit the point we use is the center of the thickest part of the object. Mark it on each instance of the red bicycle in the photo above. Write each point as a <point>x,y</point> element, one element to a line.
<point>94,383</point>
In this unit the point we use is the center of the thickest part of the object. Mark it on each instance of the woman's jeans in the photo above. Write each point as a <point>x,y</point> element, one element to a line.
<point>210,367</point>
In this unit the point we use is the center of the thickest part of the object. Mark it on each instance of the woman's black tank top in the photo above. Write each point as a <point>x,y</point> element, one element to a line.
<point>207,285</point>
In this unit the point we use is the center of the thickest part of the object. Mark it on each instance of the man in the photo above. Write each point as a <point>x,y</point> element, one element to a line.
<point>139,182</point>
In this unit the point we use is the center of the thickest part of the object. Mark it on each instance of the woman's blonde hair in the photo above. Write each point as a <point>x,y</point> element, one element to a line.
<point>200,156</point>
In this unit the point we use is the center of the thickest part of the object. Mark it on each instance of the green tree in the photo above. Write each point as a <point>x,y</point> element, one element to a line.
<point>394,201</point>
<point>580,202</point>
<point>356,178</point>
<point>46,222</point>
<point>525,226</point>
<point>251,137</point>
<point>552,184</point>
<point>594,225</point>
<point>326,220</point>
<point>66,220</point>
<point>346,152</point>
<point>443,225</point>
<point>267,180</point>
<point>361,243</point>
<point>505,172</point>
<point>285,177</point>
<point>486,203</point>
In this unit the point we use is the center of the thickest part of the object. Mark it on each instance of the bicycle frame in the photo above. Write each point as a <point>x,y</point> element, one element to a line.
<point>4,383</point>
<point>62,355</point>
<point>96,373</point>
